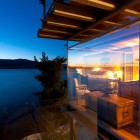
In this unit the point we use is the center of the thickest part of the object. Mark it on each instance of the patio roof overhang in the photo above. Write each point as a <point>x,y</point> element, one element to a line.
<point>79,20</point>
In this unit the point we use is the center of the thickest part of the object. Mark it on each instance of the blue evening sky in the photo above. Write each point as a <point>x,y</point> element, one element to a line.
<point>19,23</point>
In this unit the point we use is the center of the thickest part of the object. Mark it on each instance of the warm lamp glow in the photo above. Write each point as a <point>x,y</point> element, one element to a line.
<point>118,74</point>
<point>110,74</point>
<point>96,69</point>
<point>79,71</point>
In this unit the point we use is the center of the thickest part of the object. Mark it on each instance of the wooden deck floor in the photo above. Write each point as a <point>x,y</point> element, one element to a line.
<point>84,115</point>
<point>89,119</point>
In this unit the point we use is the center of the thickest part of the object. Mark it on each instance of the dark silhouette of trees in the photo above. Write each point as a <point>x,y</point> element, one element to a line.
<point>50,77</point>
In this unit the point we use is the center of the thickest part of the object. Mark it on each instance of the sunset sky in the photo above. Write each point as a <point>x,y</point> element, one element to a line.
<point>19,23</point>
<point>106,49</point>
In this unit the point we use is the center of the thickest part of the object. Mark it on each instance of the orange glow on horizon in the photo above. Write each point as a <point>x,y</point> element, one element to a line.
<point>96,69</point>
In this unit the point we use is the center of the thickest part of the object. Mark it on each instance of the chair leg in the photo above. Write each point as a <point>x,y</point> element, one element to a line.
<point>77,99</point>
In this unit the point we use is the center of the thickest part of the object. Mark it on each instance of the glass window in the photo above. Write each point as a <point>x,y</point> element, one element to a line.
<point>104,76</point>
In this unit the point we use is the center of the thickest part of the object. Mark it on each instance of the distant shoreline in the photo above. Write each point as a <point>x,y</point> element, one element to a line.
<point>20,64</point>
<point>17,64</point>
<point>20,68</point>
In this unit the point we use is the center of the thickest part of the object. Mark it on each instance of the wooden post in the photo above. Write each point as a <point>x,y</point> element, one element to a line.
<point>67,69</point>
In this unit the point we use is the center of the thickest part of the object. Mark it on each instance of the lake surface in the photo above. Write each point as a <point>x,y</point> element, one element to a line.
<point>17,102</point>
<point>17,86</point>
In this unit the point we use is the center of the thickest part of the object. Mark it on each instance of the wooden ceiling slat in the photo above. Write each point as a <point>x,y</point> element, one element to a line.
<point>66,11</point>
<point>80,37</point>
<point>72,11</point>
<point>63,22</point>
<point>85,35</point>
<point>120,9</point>
<point>112,23</point>
<point>132,12</point>
<point>50,35</point>
<point>102,4</point>
<point>96,30</point>
<point>56,29</point>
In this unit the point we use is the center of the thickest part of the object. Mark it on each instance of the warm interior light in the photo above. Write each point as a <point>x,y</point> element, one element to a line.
<point>96,69</point>
<point>110,75</point>
<point>118,74</point>
<point>79,71</point>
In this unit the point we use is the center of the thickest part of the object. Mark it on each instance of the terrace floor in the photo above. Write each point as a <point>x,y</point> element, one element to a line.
<point>89,118</point>
<point>83,115</point>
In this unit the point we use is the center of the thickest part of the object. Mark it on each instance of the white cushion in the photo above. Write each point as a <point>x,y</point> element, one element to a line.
<point>82,92</point>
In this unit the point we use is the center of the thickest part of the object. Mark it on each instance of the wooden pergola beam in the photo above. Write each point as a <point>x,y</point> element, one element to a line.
<point>91,33</point>
<point>56,29</point>
<point>102,4</point>
<point>132,12</point>
<point>73,11</point>
<point>45,34</point>
<point>76,20</point>
<point>78,39</point>
<point>127,5</point>
<point>112,23</point>
<point>51,35</point>
<point>85,35</point>
<point>63,22</point>
<point>126,25</point>
<point>96,30</point>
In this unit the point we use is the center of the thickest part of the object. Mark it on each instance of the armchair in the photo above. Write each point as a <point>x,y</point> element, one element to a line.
<point>81,89</point>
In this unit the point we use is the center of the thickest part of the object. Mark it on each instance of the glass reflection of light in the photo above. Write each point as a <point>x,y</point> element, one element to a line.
<point>96,69</point>
<point>115,52</point>
<point>79,71</point>
<point>110,75</point>
<point>118,74</point>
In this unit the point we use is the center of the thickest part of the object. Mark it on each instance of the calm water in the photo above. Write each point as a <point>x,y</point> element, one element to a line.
<point>18,85</point>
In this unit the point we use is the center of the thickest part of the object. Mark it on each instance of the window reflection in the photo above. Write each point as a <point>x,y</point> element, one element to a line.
<point>109,67</point>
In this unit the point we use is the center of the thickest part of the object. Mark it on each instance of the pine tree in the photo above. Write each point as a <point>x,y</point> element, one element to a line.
<point>50,76</point>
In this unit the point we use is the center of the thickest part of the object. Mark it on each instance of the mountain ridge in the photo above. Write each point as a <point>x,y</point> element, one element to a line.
<point>17,64</point>
<point>20,64</point>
